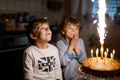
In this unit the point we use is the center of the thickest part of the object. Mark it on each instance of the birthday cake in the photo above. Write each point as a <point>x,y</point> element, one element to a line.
<point>99,64</point>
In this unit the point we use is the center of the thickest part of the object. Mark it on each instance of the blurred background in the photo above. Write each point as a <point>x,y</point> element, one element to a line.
<point>16,14</point>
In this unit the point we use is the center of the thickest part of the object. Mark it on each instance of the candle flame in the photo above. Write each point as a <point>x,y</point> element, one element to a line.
<point>91,50</point>
<point>107,50</point>
<point>105,54</point>
<point>113,51</point>
<point>97,50</point>
<point>111,55</point>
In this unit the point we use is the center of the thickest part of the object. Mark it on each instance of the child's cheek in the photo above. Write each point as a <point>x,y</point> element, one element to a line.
<point>76,32</point>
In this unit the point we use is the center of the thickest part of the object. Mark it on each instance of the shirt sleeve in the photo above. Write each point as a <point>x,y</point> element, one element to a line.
<point>83,54</point>
<point>27,67</point>
<point>58,70</point>
<point>65,57</point>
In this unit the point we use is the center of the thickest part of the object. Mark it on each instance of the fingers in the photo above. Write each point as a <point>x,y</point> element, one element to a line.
<point>74,40</point>
<point>75,37</point>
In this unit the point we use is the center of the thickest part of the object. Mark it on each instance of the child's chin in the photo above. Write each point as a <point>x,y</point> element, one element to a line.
<point>49,39</point>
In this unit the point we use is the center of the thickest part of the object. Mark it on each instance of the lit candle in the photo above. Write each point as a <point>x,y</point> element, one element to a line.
<point>107,50</point>
<point>97,52</point>
<point>105,54</point>
<point>113,51</point>
<point>111,55</point>
<point>91,52</point>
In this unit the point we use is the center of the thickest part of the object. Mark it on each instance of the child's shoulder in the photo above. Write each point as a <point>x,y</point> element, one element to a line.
<point>80,38</point>
<point>51,45</point>
<point>29,48</point>
<point>60,40</point>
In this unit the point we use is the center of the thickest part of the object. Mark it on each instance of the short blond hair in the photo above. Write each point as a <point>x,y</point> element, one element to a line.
<point>69,21</point>
<point>34,26</point>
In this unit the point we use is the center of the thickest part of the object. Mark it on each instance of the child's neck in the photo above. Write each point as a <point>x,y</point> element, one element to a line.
<point>67,40</point>
<point>42,45</point>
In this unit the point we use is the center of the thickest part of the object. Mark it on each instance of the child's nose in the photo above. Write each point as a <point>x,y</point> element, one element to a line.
<point>74,30</point>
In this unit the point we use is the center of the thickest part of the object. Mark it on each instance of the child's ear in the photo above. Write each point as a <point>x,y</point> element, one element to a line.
<point>32,36</point>
<point>62,32</point>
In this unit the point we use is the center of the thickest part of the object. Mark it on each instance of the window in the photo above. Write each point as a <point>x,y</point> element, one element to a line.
<point>111,7</point>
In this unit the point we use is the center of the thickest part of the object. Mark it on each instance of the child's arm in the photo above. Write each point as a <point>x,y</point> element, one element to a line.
<point>58,70</point>
<point>77,50</point>
<point>27,67</point>
<point>64,55</point>
<point>74,45</point>
<point>82,55</point>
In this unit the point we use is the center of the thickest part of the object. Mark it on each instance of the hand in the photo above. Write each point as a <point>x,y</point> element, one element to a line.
<point>73,43</point>
<point>77,50</point>
<point>74,40</point>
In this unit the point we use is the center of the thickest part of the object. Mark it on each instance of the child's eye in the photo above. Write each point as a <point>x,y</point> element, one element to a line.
<point>45,28</point>
<point>76,28</point>
<point>70,28</point>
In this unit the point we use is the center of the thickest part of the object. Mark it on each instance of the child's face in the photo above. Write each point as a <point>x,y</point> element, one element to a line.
<point>43,33</point>
<point>70,30</point>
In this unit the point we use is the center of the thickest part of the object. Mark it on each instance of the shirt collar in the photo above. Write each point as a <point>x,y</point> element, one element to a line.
<point>67,44</point>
